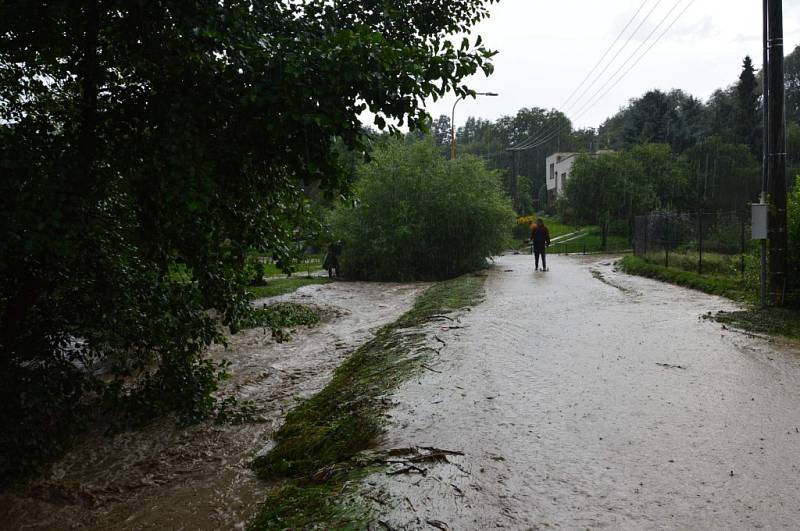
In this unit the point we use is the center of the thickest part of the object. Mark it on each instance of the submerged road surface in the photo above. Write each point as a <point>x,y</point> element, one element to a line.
<point>586,398</point>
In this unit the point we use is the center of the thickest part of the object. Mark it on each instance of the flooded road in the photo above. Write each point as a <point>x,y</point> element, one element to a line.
<point>165,477</point>
<point>583,398</point>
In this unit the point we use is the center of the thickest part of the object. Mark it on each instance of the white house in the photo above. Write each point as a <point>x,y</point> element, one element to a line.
<point>559,168</point>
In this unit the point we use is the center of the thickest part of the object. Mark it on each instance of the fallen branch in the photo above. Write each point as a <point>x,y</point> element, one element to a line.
<point>407,470</point>
<point>669,366</point>
<point>441,451</point>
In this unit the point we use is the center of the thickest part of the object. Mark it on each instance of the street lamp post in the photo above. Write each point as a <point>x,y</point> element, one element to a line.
<point>453,120</point>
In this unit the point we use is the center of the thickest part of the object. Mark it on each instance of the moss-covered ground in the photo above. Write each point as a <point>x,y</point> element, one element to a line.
<point>317,447</point>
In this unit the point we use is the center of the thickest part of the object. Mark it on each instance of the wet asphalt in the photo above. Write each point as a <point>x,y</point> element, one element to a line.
<point>584,398</point>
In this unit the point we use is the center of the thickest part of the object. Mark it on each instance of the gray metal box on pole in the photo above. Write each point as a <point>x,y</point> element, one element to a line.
<point>759,221</point>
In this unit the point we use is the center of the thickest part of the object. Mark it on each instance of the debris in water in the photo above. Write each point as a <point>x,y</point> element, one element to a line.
<point>670,366</point>
<point>408,469</point>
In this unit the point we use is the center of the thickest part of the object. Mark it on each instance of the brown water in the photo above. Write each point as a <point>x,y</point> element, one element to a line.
<point>198,478</point>
<point>588,401</point>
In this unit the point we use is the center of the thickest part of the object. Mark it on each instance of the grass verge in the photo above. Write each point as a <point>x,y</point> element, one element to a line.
<point>770,321</point>
<point>590,241</point>
<point>281,286</point>
<point>316,444</point>
<point>588,238</point>
<point>714,285</point>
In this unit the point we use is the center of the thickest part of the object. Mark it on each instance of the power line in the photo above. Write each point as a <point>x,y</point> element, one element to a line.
<point>533,140</point>
<point>636,62</point>
<point>593,100</point>
<point>649,36</point>
<point>611,62</point>
<point>569,98</point>
<point>537,138</point>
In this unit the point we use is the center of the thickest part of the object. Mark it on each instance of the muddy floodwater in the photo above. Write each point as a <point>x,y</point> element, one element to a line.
<point>198,478</point>
<point>583,398</point>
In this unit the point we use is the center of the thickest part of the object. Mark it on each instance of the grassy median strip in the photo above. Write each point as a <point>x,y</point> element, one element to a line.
<point>316,446</point>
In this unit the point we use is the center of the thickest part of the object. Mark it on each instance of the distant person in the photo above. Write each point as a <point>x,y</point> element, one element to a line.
<point>331,261</point>
<point>540,238</point>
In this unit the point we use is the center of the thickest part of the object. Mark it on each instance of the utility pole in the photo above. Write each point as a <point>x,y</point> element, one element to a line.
<point>776,163</point>
<point>764,149</point>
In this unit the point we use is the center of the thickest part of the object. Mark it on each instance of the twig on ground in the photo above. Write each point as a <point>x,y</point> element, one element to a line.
<point>407,470</point>
<point>670,366</point>
<point>440,450</point>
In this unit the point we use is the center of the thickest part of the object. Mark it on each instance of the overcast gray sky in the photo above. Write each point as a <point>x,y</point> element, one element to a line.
<point>547,47</point>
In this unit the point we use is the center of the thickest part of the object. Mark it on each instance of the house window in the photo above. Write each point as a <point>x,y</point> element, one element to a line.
<point>552,171</point>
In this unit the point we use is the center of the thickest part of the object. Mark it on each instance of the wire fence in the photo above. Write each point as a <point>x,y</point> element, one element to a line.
<point>705,242</point>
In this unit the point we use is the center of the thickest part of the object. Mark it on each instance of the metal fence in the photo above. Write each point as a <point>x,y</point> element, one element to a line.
<point>705,242</point>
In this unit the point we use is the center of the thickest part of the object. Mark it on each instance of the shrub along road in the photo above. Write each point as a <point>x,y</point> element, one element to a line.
<point>587,398</point>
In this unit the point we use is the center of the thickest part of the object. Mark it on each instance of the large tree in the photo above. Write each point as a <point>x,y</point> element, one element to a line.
<point>656,117</point>
<point>148,146</point>
<point>722,176</point>
<point>607,187</point>
<point>664,172</point>
<point>792,82</point>
<point>748,131</point>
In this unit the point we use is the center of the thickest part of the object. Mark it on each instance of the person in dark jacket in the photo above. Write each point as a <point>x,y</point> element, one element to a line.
<point>331,261</point>
<point>540,238</point>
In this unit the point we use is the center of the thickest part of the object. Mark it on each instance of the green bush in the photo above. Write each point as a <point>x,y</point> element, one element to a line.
<point>794,241</point>
<point>521,231</point>
<point>422,217</point>
<point>618,227</point>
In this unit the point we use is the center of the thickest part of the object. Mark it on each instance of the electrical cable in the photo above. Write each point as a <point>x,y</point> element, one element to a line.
<point>585,79</point>
<point>549,136</point>
<point>611,62</point>
<point>642,44</point>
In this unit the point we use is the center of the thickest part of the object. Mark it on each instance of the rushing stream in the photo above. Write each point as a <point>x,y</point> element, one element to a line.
<point>165,477</point>
<point>577,398</point>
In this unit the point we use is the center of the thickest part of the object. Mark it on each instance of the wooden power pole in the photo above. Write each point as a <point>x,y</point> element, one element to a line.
<point>776,145</point>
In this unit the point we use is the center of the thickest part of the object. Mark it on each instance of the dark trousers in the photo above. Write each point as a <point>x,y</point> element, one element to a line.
<point>540,251</point>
